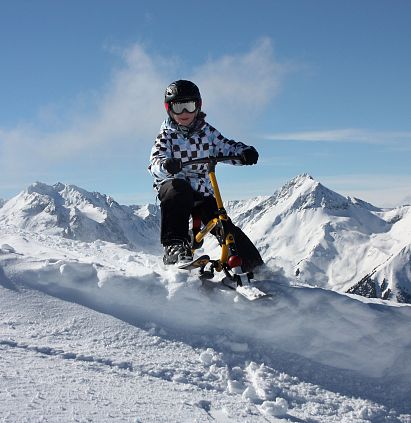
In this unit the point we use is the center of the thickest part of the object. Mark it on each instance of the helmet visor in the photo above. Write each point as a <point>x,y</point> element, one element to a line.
<point>188,106</point>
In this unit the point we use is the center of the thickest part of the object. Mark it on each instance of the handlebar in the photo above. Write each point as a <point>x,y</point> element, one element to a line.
<point>211,160</point>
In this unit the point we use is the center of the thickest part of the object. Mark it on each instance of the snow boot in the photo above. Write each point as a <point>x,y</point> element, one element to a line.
<point>178,253</point>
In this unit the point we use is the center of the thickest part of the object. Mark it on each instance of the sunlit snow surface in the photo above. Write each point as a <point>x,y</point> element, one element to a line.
<point>94,328</point>
<point>101,332</point>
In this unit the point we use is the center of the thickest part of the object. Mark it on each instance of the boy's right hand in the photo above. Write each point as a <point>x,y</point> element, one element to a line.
<point>173,165</point>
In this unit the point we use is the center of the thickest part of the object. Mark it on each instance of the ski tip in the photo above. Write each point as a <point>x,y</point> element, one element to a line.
<point>252,293</point>
<point>194,264</point>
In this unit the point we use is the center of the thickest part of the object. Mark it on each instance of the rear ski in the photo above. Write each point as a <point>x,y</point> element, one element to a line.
<point>195,264</point>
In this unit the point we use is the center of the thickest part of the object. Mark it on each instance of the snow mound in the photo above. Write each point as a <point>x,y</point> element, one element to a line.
<point>332,327</point>
<point>305,353</point>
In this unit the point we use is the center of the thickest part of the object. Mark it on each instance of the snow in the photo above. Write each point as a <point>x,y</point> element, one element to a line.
<point>96,329</point>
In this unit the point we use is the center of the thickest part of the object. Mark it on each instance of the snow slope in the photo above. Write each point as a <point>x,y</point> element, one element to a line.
<point>101,332</point>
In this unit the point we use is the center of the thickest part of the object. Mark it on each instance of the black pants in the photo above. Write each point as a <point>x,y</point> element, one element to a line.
<point>179,201</point>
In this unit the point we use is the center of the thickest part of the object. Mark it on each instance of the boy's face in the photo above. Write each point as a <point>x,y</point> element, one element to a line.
<point>185,118</point>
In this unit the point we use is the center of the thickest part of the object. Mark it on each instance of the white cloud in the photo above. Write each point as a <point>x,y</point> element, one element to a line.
<point>127,111</point>
<point>237,88</point>
<point>342,135</point>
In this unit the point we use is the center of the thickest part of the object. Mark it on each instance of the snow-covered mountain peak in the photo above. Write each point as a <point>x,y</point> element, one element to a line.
<point>39,188</point>
<point>72,195</point>
<point>73,212</point>
<point>299,182</point>
<point>301,179</point>
<point>325,238</point>
<point>304,192</point>
<point>60,199</point>
<point>75,195</point>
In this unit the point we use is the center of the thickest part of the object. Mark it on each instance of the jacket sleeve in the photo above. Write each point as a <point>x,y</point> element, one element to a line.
<point>159,153</point>
<point>225,147</point>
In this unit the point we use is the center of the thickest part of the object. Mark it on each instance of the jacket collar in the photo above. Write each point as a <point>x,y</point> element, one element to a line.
<point>196,126</point>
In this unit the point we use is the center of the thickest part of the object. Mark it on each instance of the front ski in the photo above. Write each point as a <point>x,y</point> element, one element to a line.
<point>251,292</point>
<point>195,264</point>
<point>247,290</point>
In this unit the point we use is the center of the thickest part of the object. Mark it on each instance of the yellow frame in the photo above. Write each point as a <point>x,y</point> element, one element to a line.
<point>229,239</point>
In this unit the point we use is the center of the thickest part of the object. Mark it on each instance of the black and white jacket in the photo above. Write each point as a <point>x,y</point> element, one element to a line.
<point>200,141</point>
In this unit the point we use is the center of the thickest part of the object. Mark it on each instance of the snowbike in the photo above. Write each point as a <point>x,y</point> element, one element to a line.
<point>230,262</point>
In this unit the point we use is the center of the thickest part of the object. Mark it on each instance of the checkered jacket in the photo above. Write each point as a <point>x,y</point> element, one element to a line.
<point>199,142</point>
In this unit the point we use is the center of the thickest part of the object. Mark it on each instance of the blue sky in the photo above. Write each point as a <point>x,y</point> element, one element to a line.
<point>320,87</point>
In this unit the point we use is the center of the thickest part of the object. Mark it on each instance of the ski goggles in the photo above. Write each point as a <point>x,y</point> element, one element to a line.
<point>189,106</point>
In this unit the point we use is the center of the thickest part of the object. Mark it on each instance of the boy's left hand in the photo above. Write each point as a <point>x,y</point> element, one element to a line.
<point>249,156</point>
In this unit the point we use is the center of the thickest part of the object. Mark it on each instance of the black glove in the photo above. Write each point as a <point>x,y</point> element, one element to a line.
<point>173,165</point>
<point>249,156</point>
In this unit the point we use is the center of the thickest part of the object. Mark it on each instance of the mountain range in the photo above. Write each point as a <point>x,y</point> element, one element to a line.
<point>315,235</point>
<point>75,213</point>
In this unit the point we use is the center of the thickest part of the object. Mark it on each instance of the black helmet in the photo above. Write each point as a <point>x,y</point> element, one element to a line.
<point>182,90</point>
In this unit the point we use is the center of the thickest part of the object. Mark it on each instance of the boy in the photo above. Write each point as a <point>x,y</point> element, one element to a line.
<point>185,135</point>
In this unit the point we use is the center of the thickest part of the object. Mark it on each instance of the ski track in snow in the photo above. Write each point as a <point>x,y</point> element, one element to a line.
<point>96,332</point>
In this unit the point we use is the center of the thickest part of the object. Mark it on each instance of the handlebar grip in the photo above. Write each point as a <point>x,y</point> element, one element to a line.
<point>207,160</point>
